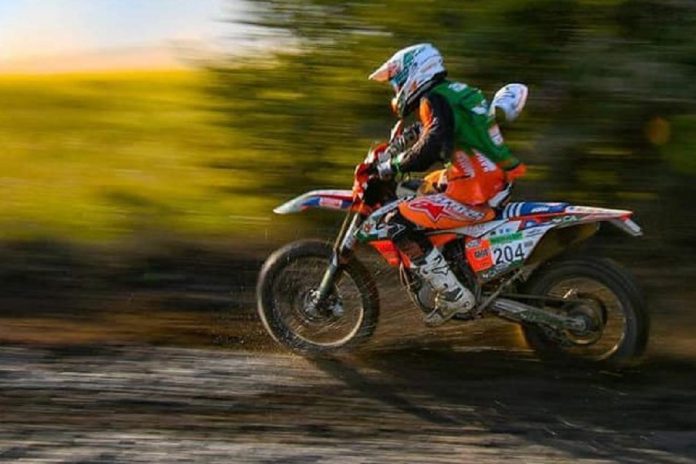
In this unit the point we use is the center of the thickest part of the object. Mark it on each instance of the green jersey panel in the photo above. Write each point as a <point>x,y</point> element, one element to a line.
<point>474,128</point>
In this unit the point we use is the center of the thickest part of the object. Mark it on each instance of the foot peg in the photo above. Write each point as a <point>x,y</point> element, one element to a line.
<point>442,314</point>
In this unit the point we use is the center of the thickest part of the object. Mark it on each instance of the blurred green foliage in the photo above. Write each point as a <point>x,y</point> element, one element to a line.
<point>94,157</point>
<point>610,120</point>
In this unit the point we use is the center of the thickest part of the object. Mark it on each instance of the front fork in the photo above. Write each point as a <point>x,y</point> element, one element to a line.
<point>343,248</point>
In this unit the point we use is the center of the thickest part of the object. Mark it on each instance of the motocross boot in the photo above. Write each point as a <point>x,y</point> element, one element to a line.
<point>452,296</point>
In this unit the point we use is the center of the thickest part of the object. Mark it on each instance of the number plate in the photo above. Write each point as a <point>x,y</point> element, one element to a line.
<point>508,254</point>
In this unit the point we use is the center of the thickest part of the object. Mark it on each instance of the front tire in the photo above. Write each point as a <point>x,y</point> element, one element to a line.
<point>611,291</point>
<point>286,280</point>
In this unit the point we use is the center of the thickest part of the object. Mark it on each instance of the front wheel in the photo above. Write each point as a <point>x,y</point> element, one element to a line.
<point>286,289</point>
<point>602,292</point>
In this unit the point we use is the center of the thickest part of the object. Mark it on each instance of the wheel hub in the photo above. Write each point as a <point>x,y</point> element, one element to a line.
<point>591,316</point>
<point>313,312</point>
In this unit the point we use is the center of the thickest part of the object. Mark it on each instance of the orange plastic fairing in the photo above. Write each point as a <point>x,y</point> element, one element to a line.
<point>388,250</point>
<point>441,212</point>
<point>479,254</point>
<point>473,180</point>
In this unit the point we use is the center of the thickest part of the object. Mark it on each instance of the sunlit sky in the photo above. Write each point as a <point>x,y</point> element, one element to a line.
<point>37,28</point>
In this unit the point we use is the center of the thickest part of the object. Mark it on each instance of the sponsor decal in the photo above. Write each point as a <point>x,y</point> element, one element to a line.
<point>502,239</point>
<point>330,202</point>
<point>497,270</point>
<point>486,164</point>
<point>530,224</point>
<point>508,228</point>
<point>378,225</point>
<point>480,109</point>
<point>564,219</point>
<point>587,210</point>
<point>495,135</point>
<point>534,232</point>
<point>478,253</point>
<point>481,253</point>
<point>437,206</point>
<point>480,229</point>
<point>526,208</point>
<point>432,209</point>
<point>474,243</point>
<point>373,230</point>
<point>462,161</point>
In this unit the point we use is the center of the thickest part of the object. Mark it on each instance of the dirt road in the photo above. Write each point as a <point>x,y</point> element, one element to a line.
<point>158,404</point>
<point>156,376</point>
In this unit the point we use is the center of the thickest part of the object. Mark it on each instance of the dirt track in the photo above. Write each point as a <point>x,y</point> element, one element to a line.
<point>156,376</point>
<point>148,404</point>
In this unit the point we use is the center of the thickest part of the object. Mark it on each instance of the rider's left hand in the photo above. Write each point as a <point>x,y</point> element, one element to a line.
<point>363,171</point>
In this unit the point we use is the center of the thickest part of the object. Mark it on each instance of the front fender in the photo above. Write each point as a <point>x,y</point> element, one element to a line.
<point>324,199</point>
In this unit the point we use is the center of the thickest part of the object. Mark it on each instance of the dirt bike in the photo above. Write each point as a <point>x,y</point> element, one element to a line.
<point>314,297</point>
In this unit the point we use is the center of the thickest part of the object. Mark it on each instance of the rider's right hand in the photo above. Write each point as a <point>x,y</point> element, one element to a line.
<point>385,169</point>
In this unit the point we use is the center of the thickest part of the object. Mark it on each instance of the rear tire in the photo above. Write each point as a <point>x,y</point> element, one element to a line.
<point>278,294</point>
<point>610,279</point>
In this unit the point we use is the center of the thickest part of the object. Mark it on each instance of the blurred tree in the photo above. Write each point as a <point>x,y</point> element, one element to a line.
<point>609,79</point>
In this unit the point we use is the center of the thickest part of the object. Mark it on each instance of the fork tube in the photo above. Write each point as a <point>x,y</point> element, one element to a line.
<point>328,280</point>
<point>348,240</point>
<point>344,243</point>
<point>342,231</point>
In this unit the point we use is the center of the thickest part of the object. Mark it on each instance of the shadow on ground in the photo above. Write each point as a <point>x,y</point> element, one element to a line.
<point>585,413</point>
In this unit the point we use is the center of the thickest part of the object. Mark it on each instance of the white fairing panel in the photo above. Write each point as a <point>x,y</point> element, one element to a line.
<point>495,247</point>
<point>324,199</point>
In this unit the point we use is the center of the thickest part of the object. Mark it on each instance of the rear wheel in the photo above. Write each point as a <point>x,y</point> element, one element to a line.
<point>286,292</point>
<point>606,297</point>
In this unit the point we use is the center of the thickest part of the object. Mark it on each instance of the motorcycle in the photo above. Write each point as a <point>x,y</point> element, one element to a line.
<point>315,297</point>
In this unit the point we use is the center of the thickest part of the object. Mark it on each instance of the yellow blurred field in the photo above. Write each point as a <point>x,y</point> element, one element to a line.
<point>94,157</point>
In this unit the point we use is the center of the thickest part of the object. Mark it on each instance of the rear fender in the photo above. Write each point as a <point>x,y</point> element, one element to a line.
<point>338,200</point>
<point>560,215</point>
<point>617,217</point>
<point>530,233</point>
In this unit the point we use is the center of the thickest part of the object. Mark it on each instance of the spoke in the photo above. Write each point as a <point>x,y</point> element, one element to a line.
<point>321,327</point>
<point>570,294</point>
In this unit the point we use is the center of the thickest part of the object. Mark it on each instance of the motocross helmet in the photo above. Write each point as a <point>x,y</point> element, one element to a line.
<point>508,102</point>
<point>411,72</point>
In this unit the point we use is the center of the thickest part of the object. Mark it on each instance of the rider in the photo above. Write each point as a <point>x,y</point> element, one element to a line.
<point>456,128</point>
